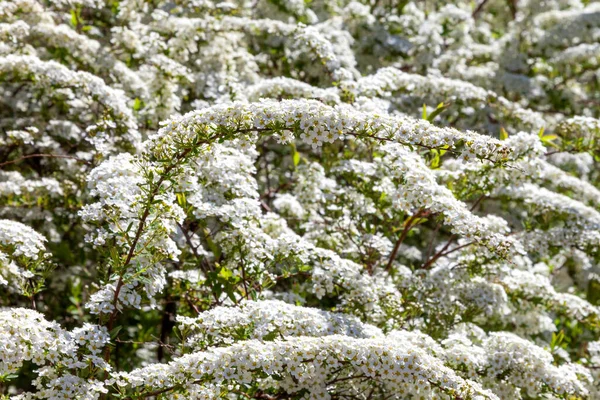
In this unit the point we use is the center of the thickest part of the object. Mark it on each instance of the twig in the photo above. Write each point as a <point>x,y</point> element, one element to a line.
<point>44,156</point>
<point>439,253</point>
<point>407,227</point>
<point>479,9</point>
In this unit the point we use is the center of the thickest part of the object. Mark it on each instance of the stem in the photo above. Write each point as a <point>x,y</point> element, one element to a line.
<point>431,260</point>
<point>462,246</point>
<point>138,235</point>
<point>439,253</point>
<point>167,324</point>
<point>477,202</point>
<point>42,156</point>
<point>479,9</point>
<point>246,294</point>
<point>407,227</point>
<point>434,236</point>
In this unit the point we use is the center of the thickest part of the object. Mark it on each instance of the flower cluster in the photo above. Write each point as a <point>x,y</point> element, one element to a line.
<point>22,256</point>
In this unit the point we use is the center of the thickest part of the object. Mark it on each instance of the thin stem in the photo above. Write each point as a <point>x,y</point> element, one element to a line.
<point>434,236</point>
<point>43,156</point>
<point>246,294</point>
<point>407,227</point>
<point>430,260</point>
<point>479,9</point>
<point>138,235</point>
<point>439,254</point>
<point>462,246</point>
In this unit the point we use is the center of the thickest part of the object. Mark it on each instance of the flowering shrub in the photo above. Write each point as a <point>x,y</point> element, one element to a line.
<point>317,199</point>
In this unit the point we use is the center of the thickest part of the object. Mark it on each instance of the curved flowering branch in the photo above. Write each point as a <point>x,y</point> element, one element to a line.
<point>399,367</point>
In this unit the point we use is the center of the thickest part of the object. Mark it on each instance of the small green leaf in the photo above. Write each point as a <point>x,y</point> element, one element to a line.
<point>115,331</point>
<point>8,377</point>
<point>593,292</point>
<point>225,273</point>
<point>271,336</point>
<point>181,200</point>
<point>441,107</point>
<point>74,20</point>
<point>230,294</point>
<point>435,161</point>
<point>503,133</point>
<point>541,132</point>
<point>137,104</point>
<point>424,114</point>
<point>114,254</point>
<point>296,158</point>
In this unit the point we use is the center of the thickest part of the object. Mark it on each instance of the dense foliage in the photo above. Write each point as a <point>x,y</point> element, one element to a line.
<point>299,199</point>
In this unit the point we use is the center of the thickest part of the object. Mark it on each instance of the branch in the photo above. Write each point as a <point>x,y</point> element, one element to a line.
<point>43,156</point>
<point>407,227</point>
<point>479,9</point>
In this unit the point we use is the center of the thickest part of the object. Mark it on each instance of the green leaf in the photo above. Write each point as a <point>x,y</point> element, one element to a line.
<point>557,339</point>
<point>115,331</point>
<point>424,114</point>
<point>74,19</point>
<point>296,158</point>
<point>444,150</point>
<point>593,292</point>
<point>225,273</point>
<point>541,133</point>
<point>181,200</point>
<point>271,336</point>
<point>549,138</point>
<point>503,133</point>
<point>440,108</point>
<point>114,254</point>
<point>137,104</point>
<point>435,161</point>
<point>230,294</point>
<point>8,377</point>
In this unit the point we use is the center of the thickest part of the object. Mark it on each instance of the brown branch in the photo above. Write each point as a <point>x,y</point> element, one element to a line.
<point>479,9</point>
<point>44,156</point>
<point>136,239</point>
<point>462,246</point>
<point>434,236</point>
<point>431,260</point>
<point>439,254</point>
<point>407,227</point>
<point>204,263</point>
<point>474,206</point>
<point>167,324</point>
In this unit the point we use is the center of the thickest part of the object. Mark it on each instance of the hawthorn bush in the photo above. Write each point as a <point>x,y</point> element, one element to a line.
<point>299,199</point>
